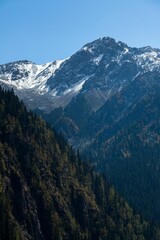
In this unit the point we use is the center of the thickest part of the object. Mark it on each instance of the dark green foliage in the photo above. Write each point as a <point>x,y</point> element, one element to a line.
<point>46,192</point>
<point>78,110</point>
<point>130,156</point>
<point>122,139</point>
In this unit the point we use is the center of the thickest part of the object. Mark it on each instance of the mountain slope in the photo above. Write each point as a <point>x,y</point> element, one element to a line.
<point>132,153</point>
<point>80,85</point>
<point>46,192</point>
<point>29,81</point>
<point>97,99</point>
<point>122,136</point>
<point>97,71</point>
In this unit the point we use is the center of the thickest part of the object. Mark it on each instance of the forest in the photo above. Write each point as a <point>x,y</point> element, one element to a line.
<point>48,192</point>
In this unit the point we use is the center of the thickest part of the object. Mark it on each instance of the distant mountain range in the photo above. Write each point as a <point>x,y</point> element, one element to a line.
<point>105,101</point>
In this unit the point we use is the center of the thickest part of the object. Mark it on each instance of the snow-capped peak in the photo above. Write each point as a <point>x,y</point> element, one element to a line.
<point>149,59</point>
<point>97,70</point>
<point>28,75</point>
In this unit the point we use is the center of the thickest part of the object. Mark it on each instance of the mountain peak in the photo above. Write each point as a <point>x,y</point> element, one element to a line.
<point>19,62</point>
<point>101,67</point>
<point>103,44</point>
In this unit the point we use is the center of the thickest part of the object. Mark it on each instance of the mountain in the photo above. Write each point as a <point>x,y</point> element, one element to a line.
<point>104,100</point>
<point>47,192</point>
<point>128,151</point>
<point>79,86</point>
<point>97,71</point>
<point>29,81</point>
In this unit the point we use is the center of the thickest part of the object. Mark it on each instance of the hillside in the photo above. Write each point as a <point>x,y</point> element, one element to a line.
<point>46,192</point>
<point>131,148</point>
<point>104,100</point>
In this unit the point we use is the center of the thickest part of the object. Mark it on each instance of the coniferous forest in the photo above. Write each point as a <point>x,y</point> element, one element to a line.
<point>48,192</point>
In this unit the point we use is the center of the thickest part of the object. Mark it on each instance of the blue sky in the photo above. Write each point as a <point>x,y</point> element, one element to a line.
<point>46,30</point>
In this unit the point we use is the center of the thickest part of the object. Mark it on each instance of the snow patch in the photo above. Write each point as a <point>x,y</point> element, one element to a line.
<point>136,76</point>
<point>76,87</point>
<point>98,59</point>
<point>89,49</point>
<point>149,61</point>
<point>54,93</point>
<point>126,50</point>
<point>37,76</point>
<point>85,48</point>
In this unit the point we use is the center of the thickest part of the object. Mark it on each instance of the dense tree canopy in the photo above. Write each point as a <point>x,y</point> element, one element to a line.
<point>47,192</point>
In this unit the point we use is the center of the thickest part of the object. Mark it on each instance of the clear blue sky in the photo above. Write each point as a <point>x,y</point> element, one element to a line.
<point>46,30</point>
